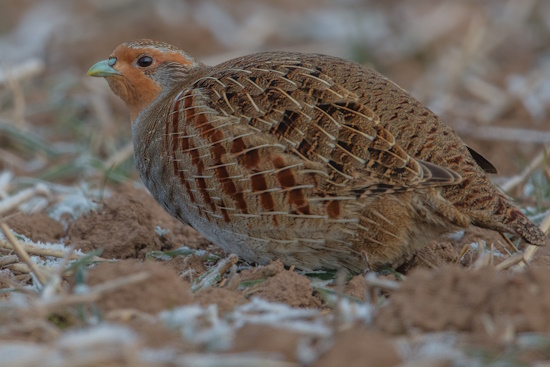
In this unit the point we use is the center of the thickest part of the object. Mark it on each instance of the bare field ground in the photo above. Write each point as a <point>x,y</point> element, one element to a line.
<point>94,273</point>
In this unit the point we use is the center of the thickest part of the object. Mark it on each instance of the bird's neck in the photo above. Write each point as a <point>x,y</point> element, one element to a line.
<point>173,82</point>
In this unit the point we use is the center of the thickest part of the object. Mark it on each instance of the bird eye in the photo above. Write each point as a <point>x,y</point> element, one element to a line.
<point>145,61</point>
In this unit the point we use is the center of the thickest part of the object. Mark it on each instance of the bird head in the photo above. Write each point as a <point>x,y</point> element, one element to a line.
<point>139,71</point>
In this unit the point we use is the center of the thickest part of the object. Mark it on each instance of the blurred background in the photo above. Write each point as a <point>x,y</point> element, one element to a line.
<point>483,66</point>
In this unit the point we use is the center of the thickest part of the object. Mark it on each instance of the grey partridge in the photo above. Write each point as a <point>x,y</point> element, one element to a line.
<point>312,159</point>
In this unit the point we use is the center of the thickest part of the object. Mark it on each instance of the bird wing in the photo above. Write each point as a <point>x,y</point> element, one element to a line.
<point>319,121</point>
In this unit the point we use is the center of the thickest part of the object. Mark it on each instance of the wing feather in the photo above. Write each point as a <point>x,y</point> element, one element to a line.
<point>317,120</point>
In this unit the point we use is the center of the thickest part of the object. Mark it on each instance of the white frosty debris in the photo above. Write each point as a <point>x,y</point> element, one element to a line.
<point>21,354</point>
<point>434,346</point>
<point>232,360</point>
<point>114,341</point>
<point>36,204</point>
<point>456,236</point>
<point>77,201</point>
<point>158,356</point>
<point>161,231</point>
<point>200,325</point>
<point>5,179</point>
<point>59,246</point>
<point>280,315</point>
<point>22,196</point>
<point>351,312</point>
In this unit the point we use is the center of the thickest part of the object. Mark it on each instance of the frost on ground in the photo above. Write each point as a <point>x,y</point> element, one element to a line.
<point>111,279</point>
<point>150,312</point>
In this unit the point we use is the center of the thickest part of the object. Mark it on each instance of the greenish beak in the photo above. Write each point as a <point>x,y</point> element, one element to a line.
<point>102,69</point>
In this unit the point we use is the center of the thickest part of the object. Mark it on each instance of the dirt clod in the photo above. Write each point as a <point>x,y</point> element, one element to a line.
<point>267,339</point>
<point>188,267</point>
<point>288,287</point>
<point>123,227</point>
<point>38,227</point>
<point>357,348</point>
<point>156,335</point>
<point>260,272</point>
<point>162,290</point>
<point>482,300</point>
<point>357,288</point>
<point>226,300</point>
<point>178,234</point>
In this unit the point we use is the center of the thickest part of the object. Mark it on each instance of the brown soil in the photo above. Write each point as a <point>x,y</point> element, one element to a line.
<point>267,339</point>
<point>179,234</point>
<point>188,267</point>
<point>488,45</point>
<point>357,288</point>
<point>350,348</point>
<point>287,287</point>
<point>225,299</point>
<point>543,257</point>
<point>482,300</point>
<point>359,347</point>
<point>262,272</point>
<point>162,290</point>
<point>38,227</point>
<point>481,303</point>
<point>154,334</point>
<point>123,226</point>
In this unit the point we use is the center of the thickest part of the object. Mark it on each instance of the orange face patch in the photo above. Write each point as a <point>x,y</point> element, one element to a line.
<point>134,86</point>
